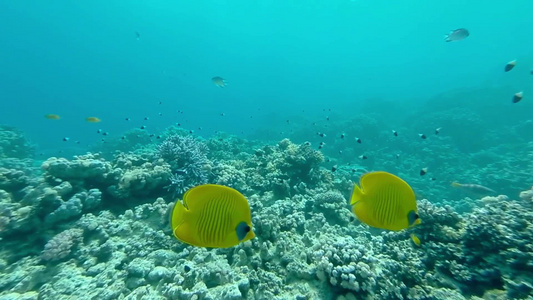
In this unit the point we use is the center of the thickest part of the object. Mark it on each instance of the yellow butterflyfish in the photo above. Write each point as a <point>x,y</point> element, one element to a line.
<point>213,216</point>
<point>384,201</point>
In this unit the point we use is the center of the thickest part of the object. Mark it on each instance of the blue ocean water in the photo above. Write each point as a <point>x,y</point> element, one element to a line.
<point>313,71</point>
<point>80,60</point>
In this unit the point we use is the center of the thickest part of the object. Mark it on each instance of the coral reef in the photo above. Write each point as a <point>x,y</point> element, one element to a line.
<point>286,170</point>
<point>97,228</point>
<point>60,246</point>
<point>13,144</point>
<point>188,161</point>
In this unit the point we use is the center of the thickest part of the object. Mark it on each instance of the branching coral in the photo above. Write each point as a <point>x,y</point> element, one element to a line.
<point>188,160</point>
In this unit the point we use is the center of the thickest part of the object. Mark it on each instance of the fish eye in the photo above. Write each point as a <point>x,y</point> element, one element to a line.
<point>247,229</point>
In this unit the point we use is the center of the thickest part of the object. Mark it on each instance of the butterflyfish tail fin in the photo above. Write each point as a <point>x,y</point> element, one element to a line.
<point>180,227</point>
<point>356,195</point>
<point>177,216</point>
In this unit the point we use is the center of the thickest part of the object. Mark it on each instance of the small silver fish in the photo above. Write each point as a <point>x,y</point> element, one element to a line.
<point>456,35</point>
<point>474,188</point>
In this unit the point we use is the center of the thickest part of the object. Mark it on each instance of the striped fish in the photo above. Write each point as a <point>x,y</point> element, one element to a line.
<point>213,216</point>
<point>384,201</point>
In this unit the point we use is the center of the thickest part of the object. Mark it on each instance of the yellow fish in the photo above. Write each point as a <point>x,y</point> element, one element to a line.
<point>384,201</point>
<point>52,117</point>
<point>415,239</point>
<point>213,216</point>
<point>219,81</point>
<point>92,119</point>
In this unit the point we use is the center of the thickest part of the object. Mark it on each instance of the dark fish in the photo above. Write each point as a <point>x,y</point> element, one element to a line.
<point>423,171</point>
<point>456,35</point>
<point>437,130</point>
<point>127,119</point>
<point>143,127</point>
<point>517,97</point>
<point>99,131</point>
<point>65,139</point>
<point>137,35</point>
<point>146,118</point>
<point>334,168</point>
<point>362,156</point>
<point>510,65</point>
<point>342,135</point>
<point>423,136</point>
<point>358,140</point>
<point>395,133</point>
<point>105,133</point>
